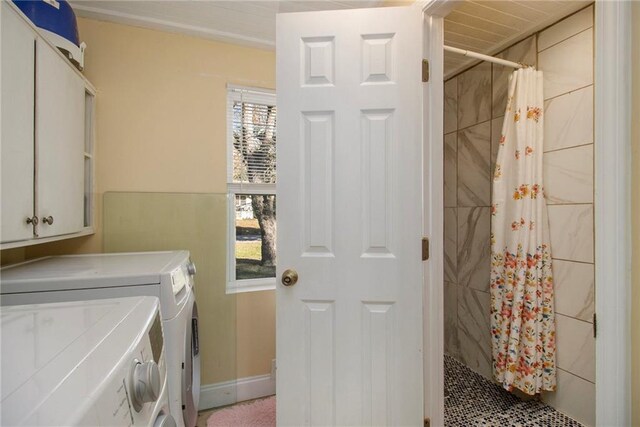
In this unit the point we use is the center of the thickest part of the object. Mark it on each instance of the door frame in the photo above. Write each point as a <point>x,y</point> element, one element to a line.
<point>433,12</point>
<point>612,212</point>
<point>612,146</point>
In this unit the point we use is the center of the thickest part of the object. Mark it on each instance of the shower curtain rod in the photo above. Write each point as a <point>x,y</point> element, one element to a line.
<point>483,57</point>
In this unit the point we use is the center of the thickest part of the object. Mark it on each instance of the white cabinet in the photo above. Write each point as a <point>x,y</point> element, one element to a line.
<point>17,126</point>
<point>59,144</point>
<point>47,109</point>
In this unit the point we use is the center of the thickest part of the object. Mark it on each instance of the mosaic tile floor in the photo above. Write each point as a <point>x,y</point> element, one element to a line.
<point>472,400</point>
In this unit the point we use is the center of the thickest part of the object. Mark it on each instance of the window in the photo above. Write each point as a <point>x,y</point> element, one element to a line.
<point>251,187</point>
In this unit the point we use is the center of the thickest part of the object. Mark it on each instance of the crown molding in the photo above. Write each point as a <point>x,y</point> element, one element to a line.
<point>438,8</point>
<point>102,14</point>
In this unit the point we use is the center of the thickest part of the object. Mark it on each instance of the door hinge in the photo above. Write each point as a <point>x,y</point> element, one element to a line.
<point>595,326</point>
<point>425,70</point>
<point>427,422</point>
<point>425,248</point>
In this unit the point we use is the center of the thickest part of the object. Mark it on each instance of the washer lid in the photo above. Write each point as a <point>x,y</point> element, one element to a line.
<point>90,271</point>
<point>56,355</point>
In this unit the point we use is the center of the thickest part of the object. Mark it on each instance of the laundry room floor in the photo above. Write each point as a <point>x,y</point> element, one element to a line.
<point>470,400</point>
<point>260,412</point>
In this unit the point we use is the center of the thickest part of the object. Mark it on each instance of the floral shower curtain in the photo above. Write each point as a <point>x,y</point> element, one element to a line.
<point>522,313</point>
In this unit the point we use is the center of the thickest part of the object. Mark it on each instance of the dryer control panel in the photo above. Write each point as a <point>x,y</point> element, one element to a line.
<point>136,392</point>
<point>183,276</point>
<point>179,280</point>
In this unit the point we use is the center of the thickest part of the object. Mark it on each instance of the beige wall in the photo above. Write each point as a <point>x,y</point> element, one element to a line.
<point>635,215</point>
<point>161,127</point>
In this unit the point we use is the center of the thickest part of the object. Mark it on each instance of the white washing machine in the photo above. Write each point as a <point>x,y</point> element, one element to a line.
<point>90,363</point>
<point>166,275</point>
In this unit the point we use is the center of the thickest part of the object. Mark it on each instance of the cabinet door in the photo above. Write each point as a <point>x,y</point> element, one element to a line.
<point>17,130</point>
<point>59,144</point>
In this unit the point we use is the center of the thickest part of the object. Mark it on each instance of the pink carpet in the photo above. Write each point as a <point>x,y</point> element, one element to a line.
<point>257,413</point>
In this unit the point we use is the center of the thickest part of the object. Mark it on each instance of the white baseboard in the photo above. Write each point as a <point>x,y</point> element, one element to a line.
<point>229,392</point>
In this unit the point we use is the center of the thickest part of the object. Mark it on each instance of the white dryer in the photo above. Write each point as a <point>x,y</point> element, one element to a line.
<point>166,275</point>
<point>90,363</point>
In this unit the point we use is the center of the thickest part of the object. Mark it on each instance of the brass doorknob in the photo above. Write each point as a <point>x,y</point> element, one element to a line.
<point>289,277</point>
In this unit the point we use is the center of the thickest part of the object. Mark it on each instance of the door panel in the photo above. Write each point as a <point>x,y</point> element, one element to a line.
<point>349,333</point>
<point>317,151</point>
<point>18,59</point>
<point>59,144</point>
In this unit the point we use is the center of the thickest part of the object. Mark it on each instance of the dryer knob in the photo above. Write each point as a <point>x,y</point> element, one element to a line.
<point>146,383</point>
<point>191,268</point>
<point>165,420</point>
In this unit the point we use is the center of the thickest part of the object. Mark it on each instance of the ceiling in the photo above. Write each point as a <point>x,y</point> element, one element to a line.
<point>485,26</point>
<point>489,26</point>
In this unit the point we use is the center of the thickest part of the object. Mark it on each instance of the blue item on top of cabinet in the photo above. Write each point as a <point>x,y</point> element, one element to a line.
<point>58,22</point>
<point>57,17</point>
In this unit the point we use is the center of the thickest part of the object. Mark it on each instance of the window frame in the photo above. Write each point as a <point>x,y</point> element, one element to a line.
<point>249,95</point>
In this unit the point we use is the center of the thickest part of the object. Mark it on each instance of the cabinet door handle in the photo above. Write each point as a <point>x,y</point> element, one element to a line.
<point>48,220</point>
<point>33,220</point>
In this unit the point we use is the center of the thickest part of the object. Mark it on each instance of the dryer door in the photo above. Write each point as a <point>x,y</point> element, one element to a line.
<point>191,371</point>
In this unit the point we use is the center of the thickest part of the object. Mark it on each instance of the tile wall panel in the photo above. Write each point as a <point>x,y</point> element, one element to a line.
<point>474,249</point>
<point>474,158</point>
<point>575,397</point>
<point>571,26</point>
<point>474,95</point>
<point>571,228</point>
<point>451,245</point>
<point>451,106</point>
<point>568,175</point>
<point>568,65</point>
<point>451,344</point>
<point>574,289</point>
<point>576,347</point>
<point>474,331</point>
<point>451,170</point>
<point>568,120</point>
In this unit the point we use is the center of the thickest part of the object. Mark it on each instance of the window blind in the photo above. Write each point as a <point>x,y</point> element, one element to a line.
<point>252,137</point>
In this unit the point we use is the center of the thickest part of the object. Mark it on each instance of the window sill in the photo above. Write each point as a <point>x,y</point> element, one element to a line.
<point>251,285</point>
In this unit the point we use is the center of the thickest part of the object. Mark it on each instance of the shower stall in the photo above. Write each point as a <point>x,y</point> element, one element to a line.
<point>475,98</point>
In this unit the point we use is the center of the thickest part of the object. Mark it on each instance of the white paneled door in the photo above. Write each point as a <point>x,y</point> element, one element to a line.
<point>349,332</point>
